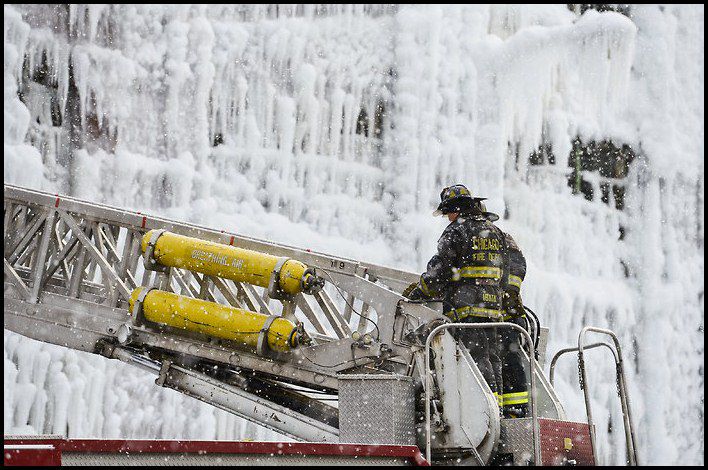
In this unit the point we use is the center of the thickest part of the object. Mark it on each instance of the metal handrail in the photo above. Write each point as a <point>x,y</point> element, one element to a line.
<point>622,390</point>
<point>532,369</point>
<point>567,350</point>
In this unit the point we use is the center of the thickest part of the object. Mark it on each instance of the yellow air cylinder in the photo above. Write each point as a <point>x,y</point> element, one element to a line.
<point>216,320</point>
<point>230,262</point>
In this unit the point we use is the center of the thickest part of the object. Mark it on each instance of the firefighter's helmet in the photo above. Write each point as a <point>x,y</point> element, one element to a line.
<point>455,198</point>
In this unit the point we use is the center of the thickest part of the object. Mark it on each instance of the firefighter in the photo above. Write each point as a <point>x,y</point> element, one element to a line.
<point>466,274</point>
<point>515,396</point>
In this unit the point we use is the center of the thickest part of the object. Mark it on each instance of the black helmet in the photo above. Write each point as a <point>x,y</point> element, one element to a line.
<point>455,198</point>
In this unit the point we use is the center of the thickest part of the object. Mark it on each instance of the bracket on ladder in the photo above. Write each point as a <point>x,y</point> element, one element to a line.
<point>274,290</point>
<point>137,317</point>
<point>262,346</point>
<point>149,255</point>
<point>125,331</point>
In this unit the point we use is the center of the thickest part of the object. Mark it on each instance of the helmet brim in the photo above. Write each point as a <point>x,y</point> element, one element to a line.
<point>459,204</point>
<point>491,216</point>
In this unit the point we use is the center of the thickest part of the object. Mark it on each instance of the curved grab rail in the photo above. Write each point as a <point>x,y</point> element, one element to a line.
<point>532,368</point>
<point>567,350</point>
<point>621,389</point>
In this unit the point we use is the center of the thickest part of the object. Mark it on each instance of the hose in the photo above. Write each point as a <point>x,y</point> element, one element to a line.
<point>537,329</point>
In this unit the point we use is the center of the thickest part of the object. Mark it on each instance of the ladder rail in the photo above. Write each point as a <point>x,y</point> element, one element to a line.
<point>138,221</point>
<point>621,388</point>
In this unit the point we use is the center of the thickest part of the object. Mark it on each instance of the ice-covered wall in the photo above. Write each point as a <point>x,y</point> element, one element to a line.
<point>334,127</point>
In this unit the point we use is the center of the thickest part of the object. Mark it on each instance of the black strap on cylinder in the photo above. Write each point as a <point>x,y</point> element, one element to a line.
<point>274,290</point>
<point>137,317</point>
<point>262,346</point>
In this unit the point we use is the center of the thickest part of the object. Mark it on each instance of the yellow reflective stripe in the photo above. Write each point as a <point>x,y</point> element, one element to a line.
<point>465,312</point>
<point>517,398</point>
<point>515,281</point>
<point>424,287</point>
<point>499,398</point>
<point>519,401</point>
<point>480,271</point>
<point>516,394</point>
<point>509,317</point>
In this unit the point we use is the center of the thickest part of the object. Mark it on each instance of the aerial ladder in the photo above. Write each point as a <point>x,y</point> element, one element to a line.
<point>319,348</point>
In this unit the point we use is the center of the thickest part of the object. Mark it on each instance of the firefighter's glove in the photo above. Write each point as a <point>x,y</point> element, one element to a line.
<point>417,294</point>
<point>407,292</point>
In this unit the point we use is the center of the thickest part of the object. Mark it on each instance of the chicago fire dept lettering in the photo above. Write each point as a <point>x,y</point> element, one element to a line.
<point>485,244</point>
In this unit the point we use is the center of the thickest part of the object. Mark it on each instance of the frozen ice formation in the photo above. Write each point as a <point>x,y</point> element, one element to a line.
<point>334,127</point>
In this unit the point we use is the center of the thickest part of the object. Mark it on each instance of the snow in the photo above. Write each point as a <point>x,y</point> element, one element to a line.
<point>465,89</point>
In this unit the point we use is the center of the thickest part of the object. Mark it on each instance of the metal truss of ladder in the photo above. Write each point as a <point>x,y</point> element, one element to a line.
<point>70,267</point>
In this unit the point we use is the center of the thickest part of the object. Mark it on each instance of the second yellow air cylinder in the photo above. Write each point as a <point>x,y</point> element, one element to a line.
<point>215,319</point>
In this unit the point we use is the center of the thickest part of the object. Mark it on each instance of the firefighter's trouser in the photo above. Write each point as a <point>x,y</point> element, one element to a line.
<point>484,347</point>
<point>515,396</point>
